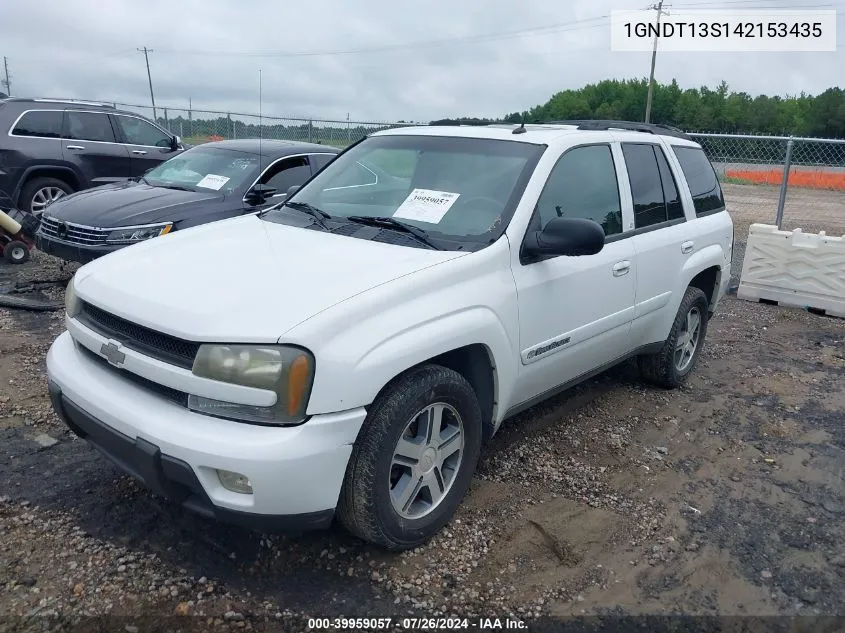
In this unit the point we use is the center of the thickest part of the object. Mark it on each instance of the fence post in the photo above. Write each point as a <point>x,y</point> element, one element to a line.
<point>785,183</point>
<point>166,121</point>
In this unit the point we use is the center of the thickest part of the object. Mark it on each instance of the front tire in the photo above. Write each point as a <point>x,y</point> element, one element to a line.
<point>671,366</point>
<point>413,460</point>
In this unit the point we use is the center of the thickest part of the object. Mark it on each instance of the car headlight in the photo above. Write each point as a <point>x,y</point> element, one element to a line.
<point>287,371</point>
<point>72,306</point>
<point>132,234</point>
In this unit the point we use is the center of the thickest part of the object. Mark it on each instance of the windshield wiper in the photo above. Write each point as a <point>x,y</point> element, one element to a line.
<point>393,223</point>
<point>177,187</point>
<point>318,214</point>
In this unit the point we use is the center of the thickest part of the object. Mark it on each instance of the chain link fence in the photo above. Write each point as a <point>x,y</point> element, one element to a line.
<point>791,182</point>
<point>202,126</point>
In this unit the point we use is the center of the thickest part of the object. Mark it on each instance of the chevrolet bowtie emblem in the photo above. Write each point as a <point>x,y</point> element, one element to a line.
<point>113,354</point>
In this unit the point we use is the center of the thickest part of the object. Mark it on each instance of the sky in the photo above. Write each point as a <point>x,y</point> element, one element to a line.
<point>420,60</point>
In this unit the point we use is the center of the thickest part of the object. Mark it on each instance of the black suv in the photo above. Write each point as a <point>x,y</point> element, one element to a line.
<point>50,148</point>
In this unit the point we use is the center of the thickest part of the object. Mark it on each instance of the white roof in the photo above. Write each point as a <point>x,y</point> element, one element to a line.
<point>538,134</point>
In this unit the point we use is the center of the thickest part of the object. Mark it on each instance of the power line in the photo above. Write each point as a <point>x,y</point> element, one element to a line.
<point>471,39</point>
<point>149,78</point>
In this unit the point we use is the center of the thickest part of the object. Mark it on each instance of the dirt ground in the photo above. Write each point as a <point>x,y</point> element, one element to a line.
<point>725,497</point>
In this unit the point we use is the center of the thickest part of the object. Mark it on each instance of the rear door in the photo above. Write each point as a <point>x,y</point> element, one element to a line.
<point>148,144</point>
<point>90,142</point>
<point>660,236</point>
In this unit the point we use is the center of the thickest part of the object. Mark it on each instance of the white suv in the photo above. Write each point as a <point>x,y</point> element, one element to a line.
<point>348,352</point>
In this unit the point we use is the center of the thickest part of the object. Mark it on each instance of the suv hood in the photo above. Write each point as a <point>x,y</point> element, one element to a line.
<point>128,203</point>
<point>242,280</point>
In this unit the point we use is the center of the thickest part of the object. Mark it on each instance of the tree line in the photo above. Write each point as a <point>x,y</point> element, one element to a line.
<point>694,109</point>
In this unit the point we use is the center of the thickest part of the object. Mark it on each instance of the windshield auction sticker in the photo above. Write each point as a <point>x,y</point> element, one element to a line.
<point>721,31</point>
<point>213,181</point>
<point>425,205</point>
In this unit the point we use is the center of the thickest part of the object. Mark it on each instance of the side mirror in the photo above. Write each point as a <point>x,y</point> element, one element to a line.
<point>175,141</point>
<point>292,190</point>
<point>260,193</point>
<point>571,237</point>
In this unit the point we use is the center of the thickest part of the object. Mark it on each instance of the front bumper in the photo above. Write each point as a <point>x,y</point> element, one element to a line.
<point>71,252</point>
<point>296,472</point>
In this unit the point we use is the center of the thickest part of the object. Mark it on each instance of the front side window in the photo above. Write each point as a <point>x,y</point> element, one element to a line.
<point>41,123</point>
<point>583,184</point>
<point>458,190</point>
<point>701,178</point>
<point>89,126</point>
<point>287,173</point>
<point>206,169</point>
<point>139,132</point>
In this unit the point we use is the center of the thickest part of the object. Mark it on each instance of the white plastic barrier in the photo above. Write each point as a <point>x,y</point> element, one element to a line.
<point>794,268</point>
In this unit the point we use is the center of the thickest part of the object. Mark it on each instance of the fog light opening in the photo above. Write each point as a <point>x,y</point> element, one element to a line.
<point>235,482</point>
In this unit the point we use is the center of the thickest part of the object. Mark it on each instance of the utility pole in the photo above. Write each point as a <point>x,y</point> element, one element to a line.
<point>145,50</point>
<point>6,81</point>
<point>659,8</point>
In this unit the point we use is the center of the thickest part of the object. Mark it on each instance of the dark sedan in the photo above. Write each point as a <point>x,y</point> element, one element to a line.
<point>204,184</point>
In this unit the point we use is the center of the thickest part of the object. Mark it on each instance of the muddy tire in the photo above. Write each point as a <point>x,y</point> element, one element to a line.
<point>413,460</point>
<point>671,366</point>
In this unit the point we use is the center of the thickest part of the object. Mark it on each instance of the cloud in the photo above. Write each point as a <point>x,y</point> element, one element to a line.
<point>206,51</point>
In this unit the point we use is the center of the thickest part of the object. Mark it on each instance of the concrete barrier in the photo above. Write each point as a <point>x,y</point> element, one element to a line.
<point>805,270</point>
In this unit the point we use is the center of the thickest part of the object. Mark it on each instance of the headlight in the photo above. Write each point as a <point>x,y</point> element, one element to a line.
<point>71,302</point>
<point>132,234</point>
<point>287,371</point>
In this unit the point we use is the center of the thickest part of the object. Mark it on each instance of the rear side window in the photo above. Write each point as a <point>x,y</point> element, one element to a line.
<point>89,126</point>
<point>674,208</point>
<point>646,184</point>
<point>701,177</point>
<point>42,123</point>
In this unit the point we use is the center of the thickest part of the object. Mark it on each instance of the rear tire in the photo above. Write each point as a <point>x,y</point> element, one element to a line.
<point>671,366</point>
<point>403,483</point>
<point>16,252</point>
<point>39,192</point>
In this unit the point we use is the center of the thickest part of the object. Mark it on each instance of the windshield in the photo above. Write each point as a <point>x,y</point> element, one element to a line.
<point>455,189</point>
<point>206,169</point>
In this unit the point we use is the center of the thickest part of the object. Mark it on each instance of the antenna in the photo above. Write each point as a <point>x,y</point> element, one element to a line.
<point>260,122</point>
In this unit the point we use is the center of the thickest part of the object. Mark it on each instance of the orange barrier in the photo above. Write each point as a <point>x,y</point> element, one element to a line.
<point>797,178</point>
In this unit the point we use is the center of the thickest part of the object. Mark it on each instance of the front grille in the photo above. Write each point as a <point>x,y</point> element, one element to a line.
<point>174,395</point>
<point>73,233</point>
<point>163,347</point>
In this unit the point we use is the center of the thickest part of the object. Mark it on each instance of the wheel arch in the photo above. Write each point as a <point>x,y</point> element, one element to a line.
<point>59,172</point>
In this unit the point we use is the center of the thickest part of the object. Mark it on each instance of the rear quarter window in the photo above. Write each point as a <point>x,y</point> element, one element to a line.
<point>40,123</point>
<point>706,192</point>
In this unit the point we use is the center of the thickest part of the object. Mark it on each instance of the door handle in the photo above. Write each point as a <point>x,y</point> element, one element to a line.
<point>75,147</point>
<point>139,152</point>
<point>621,268</point>
<point>687,247</point>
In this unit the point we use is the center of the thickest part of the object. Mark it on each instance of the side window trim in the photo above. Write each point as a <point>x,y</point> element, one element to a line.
<point>24,113</point>
<point>126,140</point>
<point>535,213</point>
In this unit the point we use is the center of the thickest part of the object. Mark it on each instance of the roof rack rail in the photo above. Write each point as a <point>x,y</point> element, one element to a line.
<point>98,104</point>
<point>651,128</point>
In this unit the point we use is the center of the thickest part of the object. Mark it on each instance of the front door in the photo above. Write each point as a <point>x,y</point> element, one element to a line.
<point>148,145</point>
<point>575,312</point>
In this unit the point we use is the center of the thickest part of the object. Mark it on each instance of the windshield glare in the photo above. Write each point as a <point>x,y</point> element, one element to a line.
<point>206,169</point>
<point>458,189</point>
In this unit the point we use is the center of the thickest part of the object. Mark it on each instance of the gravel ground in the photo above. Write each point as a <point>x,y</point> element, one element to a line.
<point>725,497</point>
